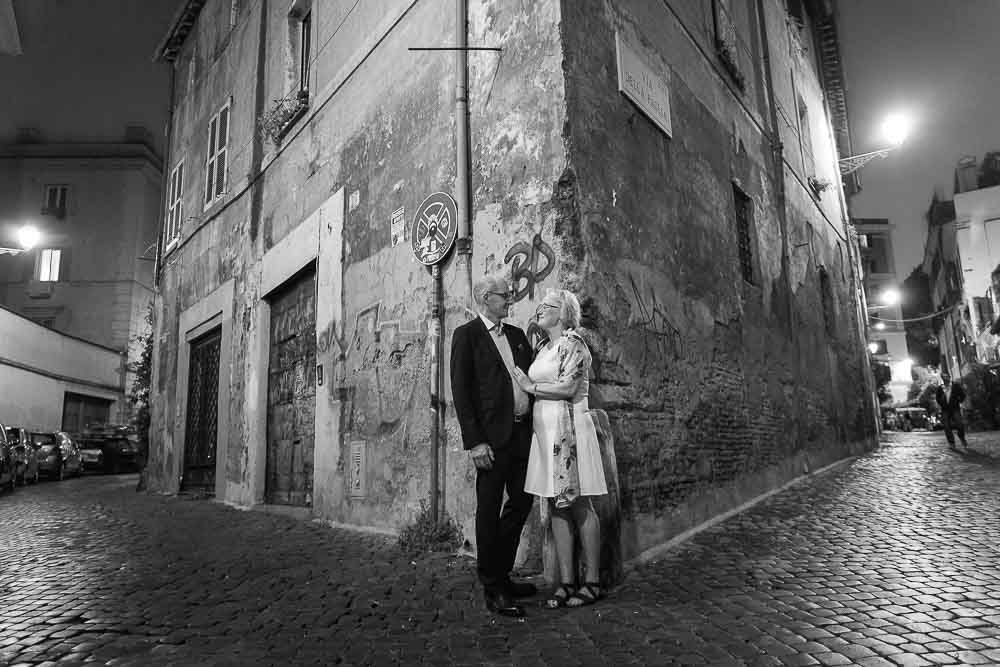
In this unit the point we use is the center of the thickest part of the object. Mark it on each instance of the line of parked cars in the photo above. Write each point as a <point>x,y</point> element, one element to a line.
<point>27,456</point>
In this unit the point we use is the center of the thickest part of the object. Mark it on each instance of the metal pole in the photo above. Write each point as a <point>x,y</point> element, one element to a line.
<point>434,336</point>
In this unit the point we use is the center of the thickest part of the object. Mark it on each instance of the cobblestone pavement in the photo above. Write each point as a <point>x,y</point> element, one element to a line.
<point>891,559</point>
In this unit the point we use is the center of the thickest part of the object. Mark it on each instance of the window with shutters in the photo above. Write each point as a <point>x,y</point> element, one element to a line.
<point>216,162</point>
<point>175,204</point>
<point>55,201</point>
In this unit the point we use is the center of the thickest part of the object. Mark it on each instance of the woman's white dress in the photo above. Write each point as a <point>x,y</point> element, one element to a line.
<point>557,422</point>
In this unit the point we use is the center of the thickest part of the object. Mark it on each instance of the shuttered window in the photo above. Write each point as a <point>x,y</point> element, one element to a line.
<point>215,164</point>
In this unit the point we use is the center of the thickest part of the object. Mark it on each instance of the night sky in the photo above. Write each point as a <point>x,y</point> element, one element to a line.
<point>87,70</point>
<point>937,60</point>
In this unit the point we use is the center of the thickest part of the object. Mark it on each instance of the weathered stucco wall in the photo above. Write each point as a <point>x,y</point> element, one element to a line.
<point>379,136</point>
<point>718,389</point>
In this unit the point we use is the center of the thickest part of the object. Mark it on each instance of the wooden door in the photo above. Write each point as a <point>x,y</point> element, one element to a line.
<point>291,392</point>
<point>201,434</point>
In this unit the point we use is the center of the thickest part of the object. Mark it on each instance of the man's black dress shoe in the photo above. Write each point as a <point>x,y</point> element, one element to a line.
<point>501,603</point>
<point>519,589</point>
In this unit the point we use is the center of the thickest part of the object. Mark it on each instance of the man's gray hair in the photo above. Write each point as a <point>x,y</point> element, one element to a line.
<point>490,283</point>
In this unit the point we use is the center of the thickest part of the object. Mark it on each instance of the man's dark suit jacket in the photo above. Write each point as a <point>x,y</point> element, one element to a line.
<point>954,404</point>
<point>481,385</point>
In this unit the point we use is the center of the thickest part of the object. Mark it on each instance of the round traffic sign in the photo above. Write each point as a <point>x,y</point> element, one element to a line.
<point>435,226</point>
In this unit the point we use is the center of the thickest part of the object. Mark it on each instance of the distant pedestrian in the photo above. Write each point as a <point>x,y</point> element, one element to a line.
<point>950,396</point>
<point>494,414</point>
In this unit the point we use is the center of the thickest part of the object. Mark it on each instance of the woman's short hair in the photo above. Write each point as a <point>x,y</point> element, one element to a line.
<point>569,309</point>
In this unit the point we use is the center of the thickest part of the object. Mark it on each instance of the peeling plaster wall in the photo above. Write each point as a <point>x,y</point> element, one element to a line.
<point>379,136</point>
<point>717,389</point>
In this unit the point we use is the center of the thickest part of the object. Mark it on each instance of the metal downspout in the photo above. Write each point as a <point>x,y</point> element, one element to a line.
<point>463,150</point>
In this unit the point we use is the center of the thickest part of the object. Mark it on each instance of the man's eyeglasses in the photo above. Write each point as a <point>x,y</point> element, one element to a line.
<point>547,305</point>
<point>506,296</point>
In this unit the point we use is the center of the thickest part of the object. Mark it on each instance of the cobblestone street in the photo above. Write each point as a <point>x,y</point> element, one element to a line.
<point>891,559</point>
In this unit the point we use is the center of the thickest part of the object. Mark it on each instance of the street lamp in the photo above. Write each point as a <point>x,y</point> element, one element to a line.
<point>28,236</point>
<point>895,129</point>
<point>889,297</point>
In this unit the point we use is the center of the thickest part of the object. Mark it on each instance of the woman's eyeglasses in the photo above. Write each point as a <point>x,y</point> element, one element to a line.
<point>507,296</point>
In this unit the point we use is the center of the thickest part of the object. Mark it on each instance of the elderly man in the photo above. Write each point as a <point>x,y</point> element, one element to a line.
<point>950,396</point>
<point>494,414</point>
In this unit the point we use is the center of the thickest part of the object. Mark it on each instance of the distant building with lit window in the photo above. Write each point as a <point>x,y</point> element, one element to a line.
<point>96,207</point>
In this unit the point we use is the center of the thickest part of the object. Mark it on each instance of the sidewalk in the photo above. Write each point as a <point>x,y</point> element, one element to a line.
<point>888,560</point>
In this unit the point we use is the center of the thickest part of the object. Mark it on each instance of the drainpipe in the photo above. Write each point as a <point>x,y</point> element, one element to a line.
<point>777,157</point>
<point>463,193</point>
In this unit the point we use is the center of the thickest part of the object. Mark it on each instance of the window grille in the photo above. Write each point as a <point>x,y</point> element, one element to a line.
<point>744,232</point>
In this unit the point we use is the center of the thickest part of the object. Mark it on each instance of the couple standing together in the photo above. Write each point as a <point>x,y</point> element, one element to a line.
<point>525,422</point>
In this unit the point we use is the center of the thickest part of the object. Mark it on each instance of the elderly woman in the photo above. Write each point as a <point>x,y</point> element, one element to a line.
<point>564,464</point>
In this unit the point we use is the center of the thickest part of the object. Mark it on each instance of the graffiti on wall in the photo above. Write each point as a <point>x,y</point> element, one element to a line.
<point>527,268</point>
<point>666,340</point>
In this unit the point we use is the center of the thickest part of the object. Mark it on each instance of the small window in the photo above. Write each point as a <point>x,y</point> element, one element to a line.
<point>47,268</point>
<point>215,164</point>
<point>305,51</point>
<point>49,322</point>
<point>744,232</point>
<point>727,44</point>
<point>805,139</point>
<point>55,201</point>
<point>175,204</point>
<point>234,13</point>
<point>826,298</point>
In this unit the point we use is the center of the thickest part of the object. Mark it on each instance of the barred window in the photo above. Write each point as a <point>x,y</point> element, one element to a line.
<point>744,232</point>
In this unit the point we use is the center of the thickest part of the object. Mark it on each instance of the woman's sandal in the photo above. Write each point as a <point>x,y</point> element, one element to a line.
<point>560,596</point>
<point>587,594</point>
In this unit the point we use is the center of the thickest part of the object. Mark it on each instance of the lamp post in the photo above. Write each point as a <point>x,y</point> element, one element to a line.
<point>895,129</point>
<point>28,237</point>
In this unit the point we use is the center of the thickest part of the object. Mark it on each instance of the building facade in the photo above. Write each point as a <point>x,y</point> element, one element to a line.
<point>51,381</point>
<point>673,163</point>
<point>96,209</point>
<point>887,334</point>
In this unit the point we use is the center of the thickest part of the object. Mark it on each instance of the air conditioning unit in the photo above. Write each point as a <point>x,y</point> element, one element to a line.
<point>38,289</point>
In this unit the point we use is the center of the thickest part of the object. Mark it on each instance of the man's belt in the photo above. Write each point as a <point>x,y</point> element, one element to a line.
<point>520,418</point>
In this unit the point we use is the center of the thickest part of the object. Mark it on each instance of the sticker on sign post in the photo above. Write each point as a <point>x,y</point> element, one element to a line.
<point>434,228</point>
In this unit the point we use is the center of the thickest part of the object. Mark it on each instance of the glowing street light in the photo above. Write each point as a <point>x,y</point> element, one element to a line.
<point>895,129</point>
<point>873,348</point>
<point>879,326</point>
<point>28,237</point>
<point>891,297</point>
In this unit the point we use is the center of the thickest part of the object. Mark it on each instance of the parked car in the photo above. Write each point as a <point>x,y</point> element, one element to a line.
<point>58,455</point>
<point>24,455</point>
<point>91,454</point>
<point>108,448</point>
<point>7,471</point>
